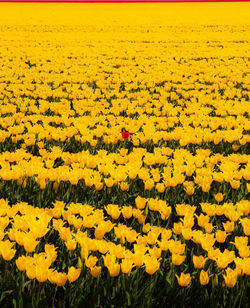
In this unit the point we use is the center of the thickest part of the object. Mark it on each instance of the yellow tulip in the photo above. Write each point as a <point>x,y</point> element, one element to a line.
<point>218,197</point>
<point>96,271</point>
<point>73,273</point>
<point>184,279</point>
<point>178,259</point>
<point>126,266</point>
<point>151,265</point>
<point>230,277</point>
<point>199,262</point>
<point>204,278</point>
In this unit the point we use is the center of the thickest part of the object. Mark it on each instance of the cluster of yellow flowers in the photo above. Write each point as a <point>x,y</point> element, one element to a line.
<point>90,232</point>
<point>211,119</point>
<point>157,110</point>
<point>157,85</point>
<point>163,168</point>
<point>51,102</point>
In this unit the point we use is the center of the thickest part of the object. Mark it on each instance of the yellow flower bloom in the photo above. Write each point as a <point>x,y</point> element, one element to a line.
<point>6,250</point>
<point>177,229</point>
<point>71,244</point>
<point>127,212</point>
<point>187,233</point>
<point>124,186</point>
<point>126,265</point>
<point>96,271</point>
<point>21,263</point>
<point>246,225</point>
<point>109,182</point>
<point>140,202</point>
<point>30,243</point>
<point>230,277</point>
<point>42,272</point>
<point>160,187</point>
<point>228,226</point>
<point>61,279</point>
<point>218,197</point>
<point>204,278</point>
<point>184,279</point>
<point>31,270</point>
<point>73,273</point>
<point>149,184</point>
<point>114,269</point>
<point>151,265</point>
<point>220,236</point>
<point>199,262</point>
<point>113,210</point>
<point>178,259</point>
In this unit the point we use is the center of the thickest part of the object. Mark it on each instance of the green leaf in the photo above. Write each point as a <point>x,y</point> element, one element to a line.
<point>128,298</point>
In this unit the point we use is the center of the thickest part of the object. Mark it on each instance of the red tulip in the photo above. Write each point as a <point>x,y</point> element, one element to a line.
<point>125,135</point>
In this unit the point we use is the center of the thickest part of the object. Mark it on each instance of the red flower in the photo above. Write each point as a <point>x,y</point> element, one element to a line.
<point>125,135</point>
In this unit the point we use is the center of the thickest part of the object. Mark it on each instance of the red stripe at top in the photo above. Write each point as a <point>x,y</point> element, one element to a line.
<point>117,1</point>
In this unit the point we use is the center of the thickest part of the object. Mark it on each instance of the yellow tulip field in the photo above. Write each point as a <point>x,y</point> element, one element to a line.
<point>124,155</point>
